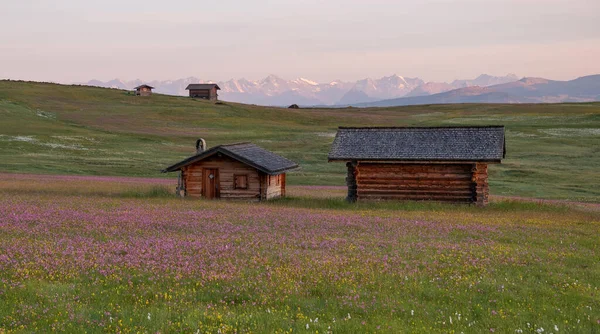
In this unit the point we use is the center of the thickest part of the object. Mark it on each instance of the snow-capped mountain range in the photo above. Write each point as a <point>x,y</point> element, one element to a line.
<point>276,91</point>
<point>526,90</point>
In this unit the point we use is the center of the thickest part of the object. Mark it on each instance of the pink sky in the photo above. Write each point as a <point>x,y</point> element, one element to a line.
<point>437,40</point>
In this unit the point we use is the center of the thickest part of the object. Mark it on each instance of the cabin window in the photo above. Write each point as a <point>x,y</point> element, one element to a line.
<point>240,181</point>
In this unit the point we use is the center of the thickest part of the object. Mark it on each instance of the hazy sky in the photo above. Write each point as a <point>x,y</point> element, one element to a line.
<point>437,40</point>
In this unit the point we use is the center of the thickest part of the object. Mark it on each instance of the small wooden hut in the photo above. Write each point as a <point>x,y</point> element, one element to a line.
<point>204,91</point>
<point>235,171</point>
<point>419,163</point>
<point>143,90</point>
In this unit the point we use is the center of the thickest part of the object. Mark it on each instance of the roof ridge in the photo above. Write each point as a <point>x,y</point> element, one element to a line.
<point>203,84</point>
<point>245,152</point>
<point>419,127</point>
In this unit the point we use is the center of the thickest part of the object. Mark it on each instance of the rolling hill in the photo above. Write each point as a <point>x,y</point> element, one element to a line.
<point>552,150</point>
<point>526,90</point>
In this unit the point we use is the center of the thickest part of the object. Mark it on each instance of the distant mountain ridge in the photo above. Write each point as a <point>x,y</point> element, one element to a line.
<point>526,90</point>
<point>276,91</point>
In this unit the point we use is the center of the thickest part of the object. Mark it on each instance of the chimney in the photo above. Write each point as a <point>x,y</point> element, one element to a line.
<point>200,145</point>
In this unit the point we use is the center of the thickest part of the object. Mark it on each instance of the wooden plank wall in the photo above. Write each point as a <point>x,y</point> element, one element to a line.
<point>227,169</point>
<point>480,180</point>
<point>275,186</point>
<point>438,182</point>
<point>200,93</point>
<point>210,94</point>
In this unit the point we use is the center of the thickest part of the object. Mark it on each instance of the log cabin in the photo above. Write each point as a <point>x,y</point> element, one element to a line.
<point>204,91</point>
<point>143,90</point>
<point>235,171</point>
<point>419,163</point>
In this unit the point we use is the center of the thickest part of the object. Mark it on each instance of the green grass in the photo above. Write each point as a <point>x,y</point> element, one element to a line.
<point>553,150</point>
<point>340,203</point>
<point>152,192</point>
<point>89,254</point>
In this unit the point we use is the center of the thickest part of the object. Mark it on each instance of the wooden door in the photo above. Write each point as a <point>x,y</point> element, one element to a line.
<point>210,183</point>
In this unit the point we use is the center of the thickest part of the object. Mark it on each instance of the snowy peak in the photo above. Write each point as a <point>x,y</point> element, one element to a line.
<point>485,80</point>
<point>303,81</point>
<point>272,80</point>
<point>387,87</point>
<point>395,80</point>
<point>116,83</point>
<point>238,86</point>
<point>274,90</point>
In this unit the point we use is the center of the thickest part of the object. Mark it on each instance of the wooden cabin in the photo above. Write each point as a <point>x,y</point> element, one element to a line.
<point>143,90</point>
<point>235,171</point>
<point>419,163</point>
<point>204,91</point>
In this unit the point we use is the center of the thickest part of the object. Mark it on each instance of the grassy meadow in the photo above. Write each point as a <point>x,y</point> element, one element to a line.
<point>93,239</point>
<point>553,151</point>
<point>112,254</point>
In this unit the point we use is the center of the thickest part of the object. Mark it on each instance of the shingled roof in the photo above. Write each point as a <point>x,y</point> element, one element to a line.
<point>473,143</point>
<point>250,154</point>
<point>202,86</point>
<point>144,85</point>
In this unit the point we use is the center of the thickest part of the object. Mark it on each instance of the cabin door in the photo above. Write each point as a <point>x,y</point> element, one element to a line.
<point>210,183</point>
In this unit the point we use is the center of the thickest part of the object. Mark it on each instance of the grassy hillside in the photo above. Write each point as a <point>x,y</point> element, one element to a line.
<point>553,150</point>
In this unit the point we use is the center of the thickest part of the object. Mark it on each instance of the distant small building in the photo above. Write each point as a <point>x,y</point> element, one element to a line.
<point>235,171</point>
<point>419,163</point>
<point>204,91</point>
<point>143,90</point>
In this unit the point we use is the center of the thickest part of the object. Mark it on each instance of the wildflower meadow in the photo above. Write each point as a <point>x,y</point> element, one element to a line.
<point>91,254</point>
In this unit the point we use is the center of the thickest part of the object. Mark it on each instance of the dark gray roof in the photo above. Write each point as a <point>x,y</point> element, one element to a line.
<point>250,154</point>
<point>140,86</point>
<point>202,86</point>
<point>473,143</point>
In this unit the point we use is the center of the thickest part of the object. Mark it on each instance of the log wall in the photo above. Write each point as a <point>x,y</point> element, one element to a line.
<point>438,182</point>
<point>259,185</point>
<point>480,181</point>
<point>228,168</point>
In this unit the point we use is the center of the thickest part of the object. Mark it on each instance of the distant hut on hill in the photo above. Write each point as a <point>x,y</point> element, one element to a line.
<point>419,163</point>
<point>143,90</point>
<point>234,171</point>
<point>204,91</point>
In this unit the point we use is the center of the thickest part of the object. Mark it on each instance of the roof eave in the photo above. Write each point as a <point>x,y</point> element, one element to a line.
<point>282,170</point>
<point>346,159</point>
<point>418,127</point>
<point>223,150</point>
<point>254,165</point>
<point>214,85</point>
